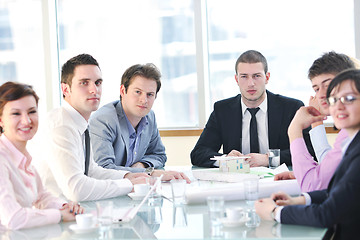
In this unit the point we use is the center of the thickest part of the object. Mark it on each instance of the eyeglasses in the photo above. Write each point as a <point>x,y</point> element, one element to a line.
<point>346,100</point>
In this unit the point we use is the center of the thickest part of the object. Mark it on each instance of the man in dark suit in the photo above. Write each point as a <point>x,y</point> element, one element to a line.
<point>229,125</point>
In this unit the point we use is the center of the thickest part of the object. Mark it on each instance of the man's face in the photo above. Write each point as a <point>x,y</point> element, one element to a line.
<point>137,101</point>
<point>85,91</point>
<point>320,85</point>
<point>252,79</point>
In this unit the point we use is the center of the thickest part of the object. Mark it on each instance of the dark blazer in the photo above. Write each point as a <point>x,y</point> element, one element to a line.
<point>224,128</point>
<point>337,207</point>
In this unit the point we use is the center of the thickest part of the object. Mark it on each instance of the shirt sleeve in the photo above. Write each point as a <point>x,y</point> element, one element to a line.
<point>309,174</point>
<point>13,215</point>
<point>278,212</point>
<point>319,142</point>
<point>67,165</point>
<point>46,199</point>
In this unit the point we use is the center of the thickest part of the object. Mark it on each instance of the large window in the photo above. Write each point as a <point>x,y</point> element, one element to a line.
<point>21,45</point>
<point>195,44</point>
<point>290,34</point>
<point>122,33</point>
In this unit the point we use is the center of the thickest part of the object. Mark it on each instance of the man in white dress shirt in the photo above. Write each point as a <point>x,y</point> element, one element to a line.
<point>64,169</point>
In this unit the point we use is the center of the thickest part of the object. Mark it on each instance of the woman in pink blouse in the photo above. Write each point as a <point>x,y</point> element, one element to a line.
<point>24,202</point>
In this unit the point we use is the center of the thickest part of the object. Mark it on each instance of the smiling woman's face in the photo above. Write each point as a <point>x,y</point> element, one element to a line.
<point>19,120</point>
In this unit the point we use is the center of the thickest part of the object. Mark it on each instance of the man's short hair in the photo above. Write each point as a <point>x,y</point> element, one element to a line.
<point>330,63</point>
<point>252,56</point>
<point>148,70</point>
<point>67,70</point>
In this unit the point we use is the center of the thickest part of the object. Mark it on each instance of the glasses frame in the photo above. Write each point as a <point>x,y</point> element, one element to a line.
<point>346,100</point>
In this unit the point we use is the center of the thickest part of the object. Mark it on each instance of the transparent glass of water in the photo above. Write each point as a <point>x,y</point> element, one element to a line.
<point>251,190</point>
<point>104,211</point>
<point>216,209</point>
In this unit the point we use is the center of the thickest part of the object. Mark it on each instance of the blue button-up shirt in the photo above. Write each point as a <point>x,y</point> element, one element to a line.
<point>134,140</point>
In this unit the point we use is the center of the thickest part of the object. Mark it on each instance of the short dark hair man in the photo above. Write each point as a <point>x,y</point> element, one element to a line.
<point>229,123</point>
<point>124,133</point>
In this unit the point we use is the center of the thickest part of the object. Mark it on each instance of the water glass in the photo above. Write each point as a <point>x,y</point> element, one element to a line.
<point>253,219</point>
<point>156,194</point>
<point>104,211</point>
<point>251,190</point>
<point>274,158</point>
<point>179,216</point>
<point>216,209</point>
<point>178,187</point>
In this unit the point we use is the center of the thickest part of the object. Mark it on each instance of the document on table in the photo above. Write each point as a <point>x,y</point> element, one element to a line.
<point>213,174</point>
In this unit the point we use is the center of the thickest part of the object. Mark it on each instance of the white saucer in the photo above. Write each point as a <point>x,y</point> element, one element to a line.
<point>135,196</point>
<point>229,223</point>
<point>77,229</point>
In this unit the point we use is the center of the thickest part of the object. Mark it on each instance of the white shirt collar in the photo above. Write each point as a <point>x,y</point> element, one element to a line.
<point>263,106</point>
<point>79,120</point>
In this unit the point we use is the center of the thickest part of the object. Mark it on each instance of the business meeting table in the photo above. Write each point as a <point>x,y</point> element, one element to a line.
<point>164,220</point>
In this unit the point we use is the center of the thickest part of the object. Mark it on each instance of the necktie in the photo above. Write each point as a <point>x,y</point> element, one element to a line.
<point>254,138</point>
<point>87,151</point>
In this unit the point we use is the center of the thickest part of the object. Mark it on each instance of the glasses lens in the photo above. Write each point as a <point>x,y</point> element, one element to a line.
<point>348,99</point>
<point>331,101</point>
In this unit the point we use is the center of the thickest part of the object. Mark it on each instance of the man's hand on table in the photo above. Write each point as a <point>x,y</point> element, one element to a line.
<point>136,178</point>
<point>284,176</point>
<point>258,160</point>
<point>170,175</point>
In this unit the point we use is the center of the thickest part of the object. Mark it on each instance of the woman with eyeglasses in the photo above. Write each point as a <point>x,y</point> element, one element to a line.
<point>24,202</point>
<point>313,174</point>
<point>337,207</point>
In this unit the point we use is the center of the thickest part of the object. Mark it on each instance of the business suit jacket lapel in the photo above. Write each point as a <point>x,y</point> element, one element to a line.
<point>275,116</point>
<point>353,149</point>
<point>123,128</point>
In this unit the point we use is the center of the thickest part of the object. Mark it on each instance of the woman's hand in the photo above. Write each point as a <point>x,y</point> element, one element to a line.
<point>283,199</point>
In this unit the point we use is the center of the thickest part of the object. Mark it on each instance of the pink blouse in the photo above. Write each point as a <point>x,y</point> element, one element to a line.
<point>24,202</point>
<point>311,175</point>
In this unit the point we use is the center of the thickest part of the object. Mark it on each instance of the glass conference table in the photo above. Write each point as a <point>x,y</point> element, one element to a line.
<point>163,220</point>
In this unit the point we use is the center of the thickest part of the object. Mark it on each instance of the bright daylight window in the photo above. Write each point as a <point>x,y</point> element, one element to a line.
<point>122,33</point>
<point>21,46</point>
<point>290,34</point>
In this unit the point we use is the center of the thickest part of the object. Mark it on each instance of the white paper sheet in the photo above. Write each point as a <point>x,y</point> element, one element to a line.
<point>213,174</point>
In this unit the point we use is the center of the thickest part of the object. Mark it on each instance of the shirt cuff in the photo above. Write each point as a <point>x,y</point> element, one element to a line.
<point>217,163</point>
<point>307,199</point>
<point>147,164</point>
<point>278,214</point>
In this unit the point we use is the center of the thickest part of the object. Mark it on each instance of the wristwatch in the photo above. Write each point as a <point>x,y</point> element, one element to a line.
<point>149,170</point>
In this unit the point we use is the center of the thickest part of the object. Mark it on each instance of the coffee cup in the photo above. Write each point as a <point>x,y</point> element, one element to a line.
<point>141,189</point>
<point>235,214</point>
<point>84,220</point>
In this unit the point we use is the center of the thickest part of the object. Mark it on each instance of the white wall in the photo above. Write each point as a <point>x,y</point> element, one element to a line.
<point>178,150</point>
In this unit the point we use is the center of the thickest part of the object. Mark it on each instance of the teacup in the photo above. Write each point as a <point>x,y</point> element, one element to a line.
<point>141,189</point>
<point>235,214</point>
<point>84,220</point>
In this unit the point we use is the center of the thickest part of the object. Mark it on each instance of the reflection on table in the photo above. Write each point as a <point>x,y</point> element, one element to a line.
<point>163,220</point>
